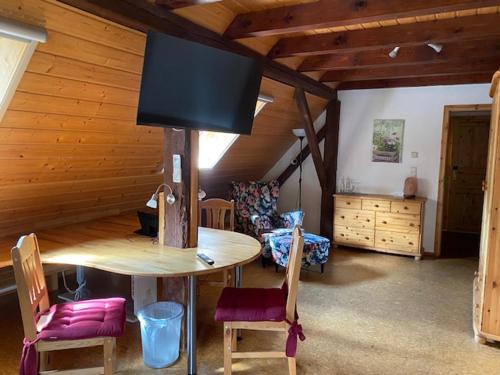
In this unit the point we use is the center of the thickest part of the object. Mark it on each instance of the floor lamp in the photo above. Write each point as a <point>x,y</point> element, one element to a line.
<point>300,134</point>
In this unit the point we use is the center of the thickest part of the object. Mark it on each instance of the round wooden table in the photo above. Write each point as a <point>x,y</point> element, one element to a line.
<point>110,244</point>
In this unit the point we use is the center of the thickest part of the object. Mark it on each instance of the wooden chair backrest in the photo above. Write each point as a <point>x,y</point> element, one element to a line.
<point>215,213</point>
<point>30,282</point>
<point>293,271</point>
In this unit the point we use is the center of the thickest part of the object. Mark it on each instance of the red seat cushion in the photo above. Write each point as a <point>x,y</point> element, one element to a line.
<point>83,320</point>
<point>251,305</point>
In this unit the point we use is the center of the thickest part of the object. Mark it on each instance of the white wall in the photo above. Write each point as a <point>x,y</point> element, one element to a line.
<point>311,192</point>
<point>422,110</point>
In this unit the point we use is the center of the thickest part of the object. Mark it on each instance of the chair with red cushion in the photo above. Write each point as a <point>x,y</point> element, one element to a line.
<point>62,326</point>
<point>269,309</point>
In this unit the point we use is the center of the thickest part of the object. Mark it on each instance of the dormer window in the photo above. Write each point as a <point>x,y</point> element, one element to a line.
<point>17,44</point>
<point>213,145</point>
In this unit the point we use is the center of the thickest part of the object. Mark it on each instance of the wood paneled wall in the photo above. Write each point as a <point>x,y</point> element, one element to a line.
<point>69,146</point>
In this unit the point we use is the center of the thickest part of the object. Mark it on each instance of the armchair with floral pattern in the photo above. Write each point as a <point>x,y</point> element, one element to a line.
<point>256,212</point>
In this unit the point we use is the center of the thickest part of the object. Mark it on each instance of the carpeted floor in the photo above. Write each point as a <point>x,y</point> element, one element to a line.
<point>368,314</point>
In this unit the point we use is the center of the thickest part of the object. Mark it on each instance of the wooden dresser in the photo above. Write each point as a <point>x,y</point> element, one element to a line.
<point>379,222</point>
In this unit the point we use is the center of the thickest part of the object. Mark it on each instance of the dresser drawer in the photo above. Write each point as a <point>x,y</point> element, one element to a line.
<point>354,218</point>
<point>353,236</point>
<point>348,202</point>
<point>375,205</point>
<point>402,207</point>
<point>397,241</point>
<point>405,223</point>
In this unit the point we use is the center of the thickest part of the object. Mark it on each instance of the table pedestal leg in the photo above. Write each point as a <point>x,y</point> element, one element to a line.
<point>191,326</point>
<point>82,292</point>
<point>237,278</point>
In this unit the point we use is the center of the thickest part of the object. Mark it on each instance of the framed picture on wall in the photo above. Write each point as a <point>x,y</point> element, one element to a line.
<point>387,142</point>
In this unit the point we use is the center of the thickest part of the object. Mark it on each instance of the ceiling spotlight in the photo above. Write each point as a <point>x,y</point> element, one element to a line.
<point>394,52</point>
<point>435,47</point>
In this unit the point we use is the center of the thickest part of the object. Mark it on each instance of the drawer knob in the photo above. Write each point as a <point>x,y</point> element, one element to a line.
<point>384,222</point>
<point>383,239</point>
<point>341,234</point>
<point>367,238</point>
<point>348,203</point>
<point>342,217</point>
<point>412,224</point>
<point>405,207</point>
<point>376,205</point>
<point>367,220</point>
<point>410,243</point>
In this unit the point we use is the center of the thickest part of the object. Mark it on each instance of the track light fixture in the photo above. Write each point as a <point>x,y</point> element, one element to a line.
<point>435,47</point>
<point>394,52</point>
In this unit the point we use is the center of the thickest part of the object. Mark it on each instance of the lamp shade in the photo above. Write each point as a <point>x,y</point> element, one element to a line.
<point>299,133</point>
<point>153,202</point>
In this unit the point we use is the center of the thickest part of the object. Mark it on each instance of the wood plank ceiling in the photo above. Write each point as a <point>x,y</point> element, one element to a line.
<point>321,38</point>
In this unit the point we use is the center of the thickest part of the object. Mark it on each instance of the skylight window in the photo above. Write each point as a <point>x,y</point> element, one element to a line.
<point>214,145</point>
<point>17,44</point>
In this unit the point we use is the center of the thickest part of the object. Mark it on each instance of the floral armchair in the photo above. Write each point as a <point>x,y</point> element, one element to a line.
<point>256,212</point>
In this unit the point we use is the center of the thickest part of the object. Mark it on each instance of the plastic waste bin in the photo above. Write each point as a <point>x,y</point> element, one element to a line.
<point>160,333</point>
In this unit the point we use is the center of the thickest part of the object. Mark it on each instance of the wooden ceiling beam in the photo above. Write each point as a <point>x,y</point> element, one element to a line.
<point>143,16</point>
<point>333,13</point>
<point>471,51</point>
<point>424,70</point>
<point>175,4</point>
<point>439,31</point>
<point>419,81</point>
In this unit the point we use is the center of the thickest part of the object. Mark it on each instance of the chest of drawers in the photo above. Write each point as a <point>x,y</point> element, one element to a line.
<point>379,222</point>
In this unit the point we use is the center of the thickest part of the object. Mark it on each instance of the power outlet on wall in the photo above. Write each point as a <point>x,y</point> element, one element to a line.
<point>413,171</point>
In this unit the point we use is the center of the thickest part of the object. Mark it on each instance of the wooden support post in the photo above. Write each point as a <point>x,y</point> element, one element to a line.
<point>330,154</point>
<point>181,218</point>
<point>179,222</point>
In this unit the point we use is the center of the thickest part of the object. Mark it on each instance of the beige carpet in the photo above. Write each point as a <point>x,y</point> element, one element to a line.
<point>368,314</point>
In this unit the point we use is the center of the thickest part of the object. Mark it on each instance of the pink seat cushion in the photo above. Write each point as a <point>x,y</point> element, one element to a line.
<point>251,305</point>
<point>83,320</point>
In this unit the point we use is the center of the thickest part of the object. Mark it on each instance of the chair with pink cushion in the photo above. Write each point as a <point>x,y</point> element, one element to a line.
<point>268,309</point>
<point>62,326</point>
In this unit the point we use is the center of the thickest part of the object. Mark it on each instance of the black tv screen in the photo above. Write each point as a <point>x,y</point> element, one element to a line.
<point>190,85</point>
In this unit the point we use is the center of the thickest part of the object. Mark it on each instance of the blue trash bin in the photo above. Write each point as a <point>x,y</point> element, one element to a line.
<point>161,333</point>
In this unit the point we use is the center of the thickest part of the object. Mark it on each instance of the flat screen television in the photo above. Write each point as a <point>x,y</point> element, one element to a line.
<point>189,85</point>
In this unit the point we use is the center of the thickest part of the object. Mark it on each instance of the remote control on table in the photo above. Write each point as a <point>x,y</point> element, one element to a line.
<point>206,258</point>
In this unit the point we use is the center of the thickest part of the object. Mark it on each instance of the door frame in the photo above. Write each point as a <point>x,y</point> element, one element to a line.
<point>445,132</point>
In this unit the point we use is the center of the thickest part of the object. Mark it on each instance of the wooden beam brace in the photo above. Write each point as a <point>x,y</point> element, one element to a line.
<point>332,124</point>
<point>440,31</point>
<point>175,4</point>
<point>143,16</point>
<point>413,71</point>
<point>334,13</point>
<point>416,82</point>
<point>312,140</point>
<point>412,55</point>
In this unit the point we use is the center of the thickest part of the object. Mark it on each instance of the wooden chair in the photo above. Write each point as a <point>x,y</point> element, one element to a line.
<point>218,214</point>
<point>33,298</point>
<point>262,309</point>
